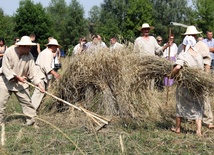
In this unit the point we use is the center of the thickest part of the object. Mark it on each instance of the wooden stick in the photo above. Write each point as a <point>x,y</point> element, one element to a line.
<point>98,117</point>
<point>2,134</point>
<point>167,87</point>
<point>94,120</point>
<point>54,96</point>
<point>106,119</point>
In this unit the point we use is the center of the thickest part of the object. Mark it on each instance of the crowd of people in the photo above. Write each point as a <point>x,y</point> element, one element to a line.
<point>25,61</point>
<point>95,44</point>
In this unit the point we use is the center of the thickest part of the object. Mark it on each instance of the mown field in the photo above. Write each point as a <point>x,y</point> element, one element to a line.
<point>71,132</point>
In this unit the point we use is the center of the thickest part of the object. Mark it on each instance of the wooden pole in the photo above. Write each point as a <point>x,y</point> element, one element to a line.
<point>167,87</point>
<point>95,117</point>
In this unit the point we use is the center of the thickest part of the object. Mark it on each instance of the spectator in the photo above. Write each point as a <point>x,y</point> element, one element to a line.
<point>35,49</point>
<point>114,45</point>
<point>210,42</point>
<point>101,42</point>
<point>170,53</point>
<point>94,45</point>
<point>3,48</point>
<point>159,40</point>
<point>80,47</point>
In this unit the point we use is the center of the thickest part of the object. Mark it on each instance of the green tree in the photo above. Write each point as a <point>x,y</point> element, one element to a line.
<point>57,10</point>
<point>138,12</point>
<point>32,18</point>
<point>76,24</point>
<point>6,28</point>
<point>166,11</point>
<point>205,14</point>
<point>122,18</point>
<point>94,19</point>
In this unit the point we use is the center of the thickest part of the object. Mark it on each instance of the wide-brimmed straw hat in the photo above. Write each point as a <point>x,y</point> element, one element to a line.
<point>192,30</point>
<point>146,26</point>
<point>25,41</point>
<point>53,42</point>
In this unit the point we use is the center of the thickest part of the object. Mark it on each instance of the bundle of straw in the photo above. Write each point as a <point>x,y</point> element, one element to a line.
<point>118,81</point>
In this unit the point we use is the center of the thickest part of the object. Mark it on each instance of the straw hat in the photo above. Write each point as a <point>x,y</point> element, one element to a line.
<point>145,26</point>
<point>53,42</point>
<point>25,41</point>
<point>192,30</point>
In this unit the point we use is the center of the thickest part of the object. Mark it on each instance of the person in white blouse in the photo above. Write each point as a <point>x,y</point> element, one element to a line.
<point>114,45</point>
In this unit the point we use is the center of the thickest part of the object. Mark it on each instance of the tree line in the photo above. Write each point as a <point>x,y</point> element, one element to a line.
<point>120,18</point>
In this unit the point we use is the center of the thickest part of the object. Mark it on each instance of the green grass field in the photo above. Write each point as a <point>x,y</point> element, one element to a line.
<point>71,132</point>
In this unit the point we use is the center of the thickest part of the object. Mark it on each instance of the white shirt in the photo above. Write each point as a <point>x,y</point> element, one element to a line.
<point>116,46</point>
<point>173,50</point>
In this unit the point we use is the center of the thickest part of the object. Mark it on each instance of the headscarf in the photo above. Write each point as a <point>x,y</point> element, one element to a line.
<point>190,42</point>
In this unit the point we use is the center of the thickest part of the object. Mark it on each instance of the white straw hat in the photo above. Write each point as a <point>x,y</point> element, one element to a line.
<point>145,26</point>
<point>53,42</point>
<point>25,41</point>
<point>192,30</point>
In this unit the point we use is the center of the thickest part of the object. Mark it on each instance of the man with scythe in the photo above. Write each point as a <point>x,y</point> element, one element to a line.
<point>147,45</point>
<point>18,64</point>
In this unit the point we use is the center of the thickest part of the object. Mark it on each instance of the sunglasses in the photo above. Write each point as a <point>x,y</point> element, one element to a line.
<point>159,40</point>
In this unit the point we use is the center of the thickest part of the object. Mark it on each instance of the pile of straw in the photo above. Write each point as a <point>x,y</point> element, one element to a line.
<point>117,83</point>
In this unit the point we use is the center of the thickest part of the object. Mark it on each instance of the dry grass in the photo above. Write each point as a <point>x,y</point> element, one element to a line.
<point>117,84</point>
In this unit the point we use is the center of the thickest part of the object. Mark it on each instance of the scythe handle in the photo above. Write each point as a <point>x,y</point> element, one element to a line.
<point>59,99</point>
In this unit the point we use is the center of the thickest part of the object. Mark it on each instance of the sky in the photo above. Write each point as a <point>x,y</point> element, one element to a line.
<point>9,6</point>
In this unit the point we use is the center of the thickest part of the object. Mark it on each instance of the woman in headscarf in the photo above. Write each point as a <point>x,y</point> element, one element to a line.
<point>187,104</point>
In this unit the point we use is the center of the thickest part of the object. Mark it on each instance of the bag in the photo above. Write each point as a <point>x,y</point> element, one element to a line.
<point>57,66</point>
<point>2,57</point>
<point>0,63</point>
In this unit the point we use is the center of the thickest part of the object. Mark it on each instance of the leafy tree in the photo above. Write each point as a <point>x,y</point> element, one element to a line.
<point>6,28</point>
<point>94,19</point>
<point>166,11</point>
<point>31,18</point>
<point>57,10</point>
<point>205,14</point>
<point>138,12</point>
<point>122,18</point>
<point>76,24</point>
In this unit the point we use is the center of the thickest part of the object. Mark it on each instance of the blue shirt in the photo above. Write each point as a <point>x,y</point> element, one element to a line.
<point>210,43</point>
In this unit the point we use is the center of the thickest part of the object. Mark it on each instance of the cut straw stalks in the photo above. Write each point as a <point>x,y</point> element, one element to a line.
<point>2,134</point>
<point>99,120</point>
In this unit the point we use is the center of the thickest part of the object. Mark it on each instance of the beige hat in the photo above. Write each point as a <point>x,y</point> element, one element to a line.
<point>145,26</point>
<point>191,30</point>
<point>25,41</point>
<point>53,42</point>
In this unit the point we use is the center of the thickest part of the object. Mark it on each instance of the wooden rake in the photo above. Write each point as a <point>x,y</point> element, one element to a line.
<point>99,120</point>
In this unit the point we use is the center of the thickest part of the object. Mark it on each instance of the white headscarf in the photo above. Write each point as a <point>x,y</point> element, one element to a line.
<point>190,42</point>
